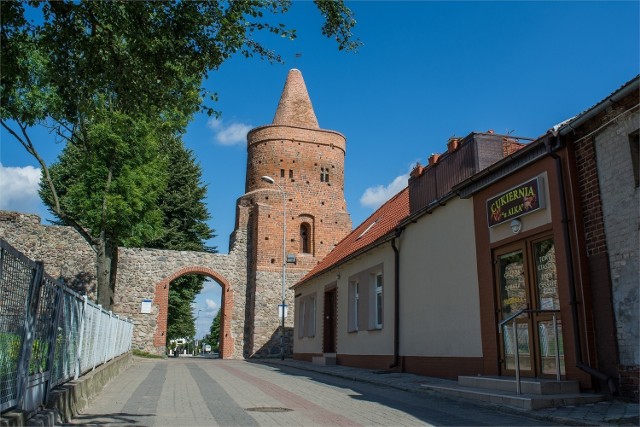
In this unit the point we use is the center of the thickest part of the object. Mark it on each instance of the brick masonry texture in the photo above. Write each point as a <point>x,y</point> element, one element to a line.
<point>609,206</point>
<point>620,201</point>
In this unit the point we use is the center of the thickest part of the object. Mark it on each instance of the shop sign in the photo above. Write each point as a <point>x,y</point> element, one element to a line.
<point>520,200</point>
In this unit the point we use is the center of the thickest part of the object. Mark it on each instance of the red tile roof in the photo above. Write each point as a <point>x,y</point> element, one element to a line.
<point>372,231</point>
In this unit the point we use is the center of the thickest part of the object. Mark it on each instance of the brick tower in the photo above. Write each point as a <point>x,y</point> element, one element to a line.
<point>307,163</point>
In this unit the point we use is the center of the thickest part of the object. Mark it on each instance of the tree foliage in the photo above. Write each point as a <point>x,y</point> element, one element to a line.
<point>91,71</point>
<point>185,227</point>
<point>213,338</point>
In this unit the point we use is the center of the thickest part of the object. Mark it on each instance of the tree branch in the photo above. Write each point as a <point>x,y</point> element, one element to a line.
<point>26,142</point>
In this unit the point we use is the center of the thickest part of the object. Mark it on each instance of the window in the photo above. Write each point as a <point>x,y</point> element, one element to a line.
<point>290,173</point>
<point>311,313</point>
<point>354,306</point>
<point>324,174</point>
<point>301,316</point>
<point>634,142</point>
<point>281,173</point>
<point>307,316</point>
<point>366,300</point>
<point>378,302</point>
<point>305,238</point>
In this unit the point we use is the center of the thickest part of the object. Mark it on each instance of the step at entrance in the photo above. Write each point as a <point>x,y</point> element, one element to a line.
<point>536,393</point>
<point>326,359</point>
<point>527,385</point>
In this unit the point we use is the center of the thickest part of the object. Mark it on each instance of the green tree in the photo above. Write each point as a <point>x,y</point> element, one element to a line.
<point>143,62</point>
<point>214,331</point>
<point>185,228</point>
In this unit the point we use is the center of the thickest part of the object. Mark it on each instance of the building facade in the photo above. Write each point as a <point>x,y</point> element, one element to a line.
<point>529,255</point>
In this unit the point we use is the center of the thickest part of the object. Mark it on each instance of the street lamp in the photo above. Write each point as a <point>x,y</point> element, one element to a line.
<point>195,339</point>
<point>270,180</point>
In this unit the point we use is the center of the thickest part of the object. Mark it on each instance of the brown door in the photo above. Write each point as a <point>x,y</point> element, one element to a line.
<point>330,326</point>
<point>526,279</point>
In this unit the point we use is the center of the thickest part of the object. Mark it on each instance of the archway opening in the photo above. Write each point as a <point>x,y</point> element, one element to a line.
<point>192,299</point>
<point>194,316</point>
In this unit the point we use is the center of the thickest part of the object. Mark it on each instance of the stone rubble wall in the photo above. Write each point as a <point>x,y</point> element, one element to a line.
<point>66,255</point>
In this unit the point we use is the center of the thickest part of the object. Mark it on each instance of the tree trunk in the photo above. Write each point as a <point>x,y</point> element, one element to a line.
<point>106,262</point>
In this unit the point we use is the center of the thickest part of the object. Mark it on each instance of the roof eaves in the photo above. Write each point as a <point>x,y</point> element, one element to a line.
<point>570,125</point>
<point>380,241</point>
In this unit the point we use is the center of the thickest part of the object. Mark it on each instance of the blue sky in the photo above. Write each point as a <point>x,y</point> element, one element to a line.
<point>427,71</point>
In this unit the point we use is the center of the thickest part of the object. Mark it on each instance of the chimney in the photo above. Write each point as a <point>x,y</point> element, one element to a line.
<point>417,171</point>
<point>453,144</point>
<point>433,159</point>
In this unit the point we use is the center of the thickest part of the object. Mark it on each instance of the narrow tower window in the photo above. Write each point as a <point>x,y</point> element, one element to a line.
<point>305,240</point>
<point>290,173</point>
<point>324,174</point>
<point>281,173</point>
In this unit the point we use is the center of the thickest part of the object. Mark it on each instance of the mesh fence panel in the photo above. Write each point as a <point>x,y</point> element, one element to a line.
<point>69,335</point>
<point>43,327</point>
<point>16,272</point>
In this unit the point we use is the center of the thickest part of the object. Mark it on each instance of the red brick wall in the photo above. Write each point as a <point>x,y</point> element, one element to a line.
<point>161,298</point>
<point>302,154</point>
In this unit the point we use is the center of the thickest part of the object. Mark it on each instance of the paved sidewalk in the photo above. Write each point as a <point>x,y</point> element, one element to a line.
<point>612,412</point>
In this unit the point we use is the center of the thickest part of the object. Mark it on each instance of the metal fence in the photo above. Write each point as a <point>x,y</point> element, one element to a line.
<point>49,334</point>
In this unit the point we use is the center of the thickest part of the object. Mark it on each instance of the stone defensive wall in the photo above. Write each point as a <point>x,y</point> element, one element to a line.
<point>143,276</point>
<point>66,254</point>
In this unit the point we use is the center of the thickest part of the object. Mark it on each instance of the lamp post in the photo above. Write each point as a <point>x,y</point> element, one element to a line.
<point>195,339</point>
<point>270,180</point>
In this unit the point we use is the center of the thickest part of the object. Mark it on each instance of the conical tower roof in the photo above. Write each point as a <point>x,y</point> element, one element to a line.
<point>294,108</point>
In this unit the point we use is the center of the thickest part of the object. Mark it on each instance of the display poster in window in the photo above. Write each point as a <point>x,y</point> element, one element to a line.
<point>546,276</point>
<point>512,284</point>
<point>520,200</point>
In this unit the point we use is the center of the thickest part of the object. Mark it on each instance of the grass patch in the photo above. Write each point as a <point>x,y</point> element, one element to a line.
<point>147,355</point>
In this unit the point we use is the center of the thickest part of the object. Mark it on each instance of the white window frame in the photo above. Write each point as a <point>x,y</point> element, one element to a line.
<point>354,306</point>
<point>379,300</point>
<point>301,312</point>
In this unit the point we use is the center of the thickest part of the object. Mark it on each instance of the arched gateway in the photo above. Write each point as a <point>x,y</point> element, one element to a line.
<point>305,169</point>
<point>146,275</point>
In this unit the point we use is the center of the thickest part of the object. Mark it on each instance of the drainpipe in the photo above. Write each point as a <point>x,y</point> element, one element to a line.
<point>396,300</point>
<point>572,282</point>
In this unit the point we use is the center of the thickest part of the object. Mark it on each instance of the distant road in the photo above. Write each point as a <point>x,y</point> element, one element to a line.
<point>210,392</point>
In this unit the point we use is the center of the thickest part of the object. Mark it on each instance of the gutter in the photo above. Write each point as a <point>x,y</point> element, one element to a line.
<point>396,300</point>
<point>630,87</point>
<point>572,281</point>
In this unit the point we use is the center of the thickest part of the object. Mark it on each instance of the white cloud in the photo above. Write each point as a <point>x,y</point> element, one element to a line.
<point>210,285</point>
<point>229,134</point>
<point>211,305</point>
<point>19,188</point>
<point>374,197</point>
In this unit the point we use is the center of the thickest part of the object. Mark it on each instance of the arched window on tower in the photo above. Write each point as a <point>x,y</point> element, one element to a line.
<point>305,238</point>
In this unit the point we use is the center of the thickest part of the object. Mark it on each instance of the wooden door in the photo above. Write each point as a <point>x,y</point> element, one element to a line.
<point>330,324</point>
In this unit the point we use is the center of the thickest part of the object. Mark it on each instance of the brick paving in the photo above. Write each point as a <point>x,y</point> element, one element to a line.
<point>612,412</point>
<point>205,392</point>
